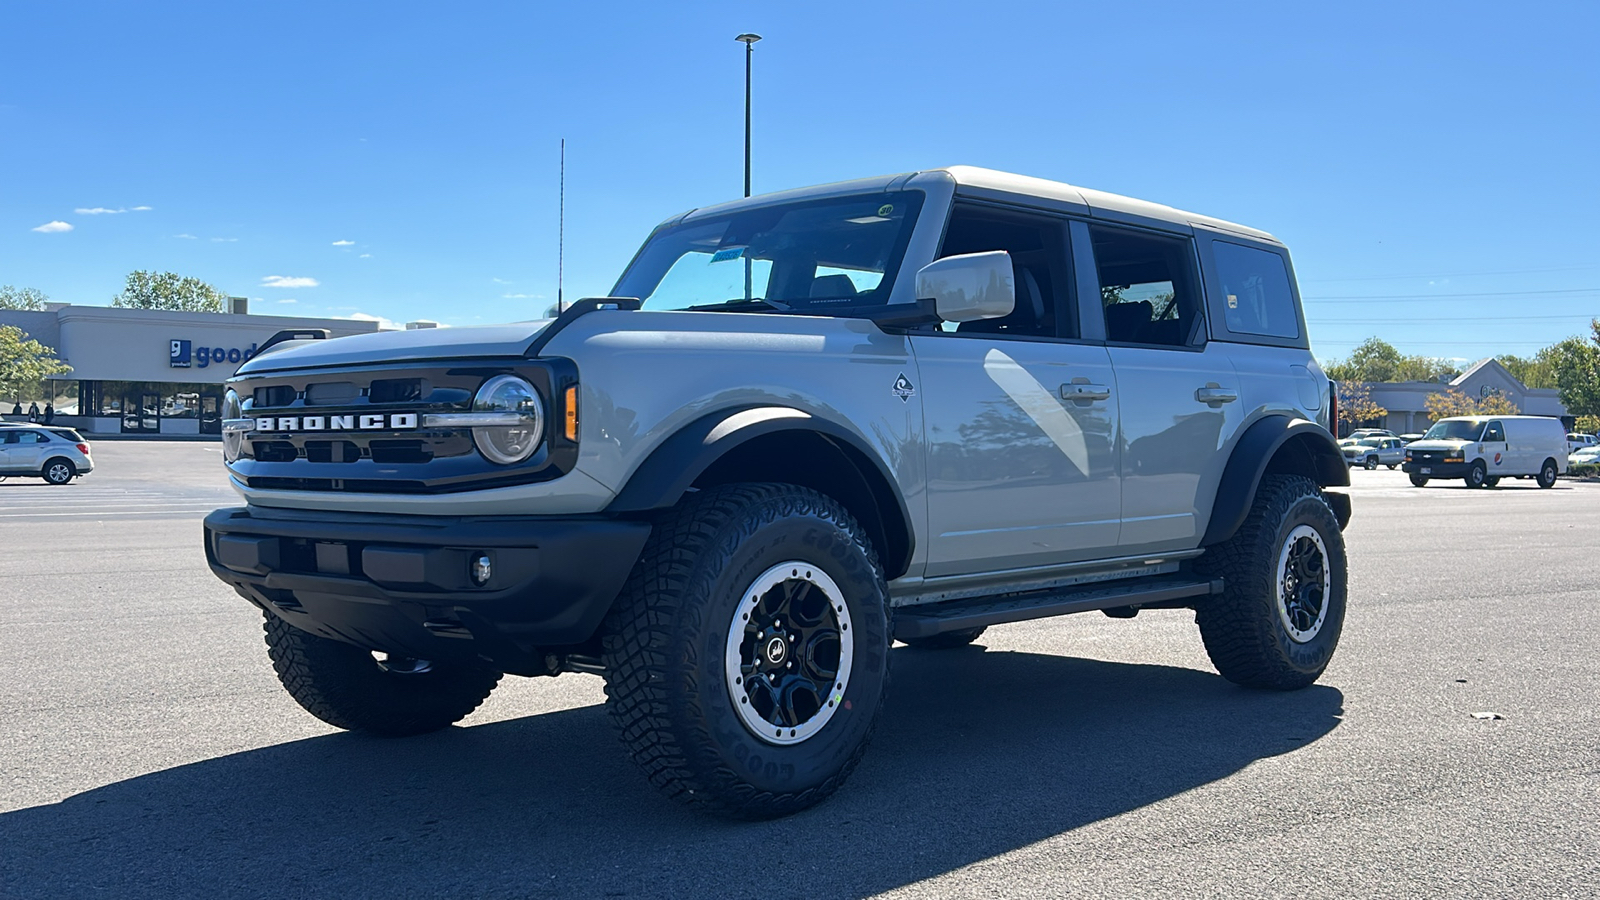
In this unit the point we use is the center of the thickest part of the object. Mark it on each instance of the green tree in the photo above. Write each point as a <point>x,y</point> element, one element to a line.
<point>1377,360</point>
<point>1588,424</point>
<point>22,298</point>
<point>1535,372</point>
<point>24,363</point>
<point>1576,363</point>
<point>169,290</point>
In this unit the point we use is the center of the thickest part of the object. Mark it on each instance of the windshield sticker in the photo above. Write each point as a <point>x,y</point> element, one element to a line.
<point>727,253</point>
<point>886,209</point>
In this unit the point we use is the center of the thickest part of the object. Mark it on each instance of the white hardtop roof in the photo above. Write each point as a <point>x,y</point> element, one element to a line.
<point>1098,203</point>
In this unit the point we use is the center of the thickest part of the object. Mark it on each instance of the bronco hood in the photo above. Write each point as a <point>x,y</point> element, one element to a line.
<point>396,346</point>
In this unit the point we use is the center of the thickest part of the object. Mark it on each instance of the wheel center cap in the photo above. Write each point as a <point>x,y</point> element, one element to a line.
<point>777,649</point>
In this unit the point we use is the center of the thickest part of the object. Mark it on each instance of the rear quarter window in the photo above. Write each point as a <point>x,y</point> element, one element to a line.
<point>1256,298</point>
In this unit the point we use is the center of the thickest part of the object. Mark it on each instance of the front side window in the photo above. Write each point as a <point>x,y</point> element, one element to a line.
<point>1147,287</point>
<point>1495,432</point>
<point>831,255</point>
<point>1255,291</point>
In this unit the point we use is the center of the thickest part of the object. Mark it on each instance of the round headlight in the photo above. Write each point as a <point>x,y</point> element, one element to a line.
<point>232,441</point>
<point>516,440</point>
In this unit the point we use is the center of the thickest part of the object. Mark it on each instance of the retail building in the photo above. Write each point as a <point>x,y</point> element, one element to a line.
<point>151,371</point>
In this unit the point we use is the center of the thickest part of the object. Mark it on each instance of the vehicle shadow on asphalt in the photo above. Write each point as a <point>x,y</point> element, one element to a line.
<point>978,753</point>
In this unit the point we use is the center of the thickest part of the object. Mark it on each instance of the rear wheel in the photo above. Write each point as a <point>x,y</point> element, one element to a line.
<point>352,688</point>
<point>59,471</point>
<point>1419,481</point>
<point>1547,474</point>
<point>747,656</point>
<point>1278,620</point>
<point>947,641</point>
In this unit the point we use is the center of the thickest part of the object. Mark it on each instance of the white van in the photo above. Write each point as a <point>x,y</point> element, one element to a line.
<point>1481,450</point>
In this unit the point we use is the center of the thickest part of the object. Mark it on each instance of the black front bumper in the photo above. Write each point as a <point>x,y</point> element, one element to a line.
<point>1436,469</point>
<point>403,584</point>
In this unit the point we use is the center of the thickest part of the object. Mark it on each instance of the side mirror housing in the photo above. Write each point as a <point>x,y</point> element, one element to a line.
<point>970,287</point>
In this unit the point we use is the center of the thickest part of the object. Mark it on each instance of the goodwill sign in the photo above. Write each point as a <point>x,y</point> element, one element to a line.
<point>184,354</point>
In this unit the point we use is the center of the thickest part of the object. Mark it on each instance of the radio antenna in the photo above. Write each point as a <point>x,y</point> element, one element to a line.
<point>561,232</point>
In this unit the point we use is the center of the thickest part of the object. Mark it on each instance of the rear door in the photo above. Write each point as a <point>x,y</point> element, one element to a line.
<point>1020,413</point>
<point>1178,392</point>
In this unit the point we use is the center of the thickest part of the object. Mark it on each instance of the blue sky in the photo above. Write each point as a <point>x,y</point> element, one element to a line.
<point>1432,166</point>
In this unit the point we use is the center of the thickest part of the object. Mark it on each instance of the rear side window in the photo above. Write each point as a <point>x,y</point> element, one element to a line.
<point>1147,287</point>
<point>1255,291</point>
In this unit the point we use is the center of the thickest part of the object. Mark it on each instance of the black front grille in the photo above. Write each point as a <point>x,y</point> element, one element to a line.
<point>324,447</point>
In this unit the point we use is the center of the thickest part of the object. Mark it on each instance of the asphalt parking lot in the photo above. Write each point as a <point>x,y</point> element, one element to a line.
<point>148,750</point>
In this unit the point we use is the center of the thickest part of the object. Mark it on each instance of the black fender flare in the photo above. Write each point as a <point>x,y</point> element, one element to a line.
<point>673,466</point>
<point>1251,456</point>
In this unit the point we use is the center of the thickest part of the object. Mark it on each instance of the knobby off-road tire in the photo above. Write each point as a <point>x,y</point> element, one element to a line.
<point>1278,620</point>
<point>689,643</point>
<point>347,687</point>
<point>947,641</point>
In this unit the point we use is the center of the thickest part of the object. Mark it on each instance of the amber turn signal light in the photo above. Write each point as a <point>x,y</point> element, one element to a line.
<point>572,413</point>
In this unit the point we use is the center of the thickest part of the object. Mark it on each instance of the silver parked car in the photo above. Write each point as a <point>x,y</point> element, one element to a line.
<point>807,425</point>
<point>1372,452</point>
<point>50,452</point>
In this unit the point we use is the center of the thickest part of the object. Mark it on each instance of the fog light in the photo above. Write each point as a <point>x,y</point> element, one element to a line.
<point>482,569</point>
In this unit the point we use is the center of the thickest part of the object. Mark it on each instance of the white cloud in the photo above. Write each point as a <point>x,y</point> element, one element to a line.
<point>288,281</point>
<point>53,227</point>
<point>141,209</point>
<point>289,300</point>
<point>224,240</point>
<point>187,237</point>
<point>366,256</point>
<point>499,281</point>
<point>103,211</point>
<point>523,296</point>
<point>344,243</point>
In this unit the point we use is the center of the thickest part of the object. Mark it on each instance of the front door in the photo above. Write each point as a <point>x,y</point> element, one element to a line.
<point>210,414</point>
<point>1020,416</point>
<point>1497,454</point>
<point>1179,394</point>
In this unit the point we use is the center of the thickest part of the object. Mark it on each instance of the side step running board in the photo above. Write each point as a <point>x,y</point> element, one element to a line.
<point>959,615</point>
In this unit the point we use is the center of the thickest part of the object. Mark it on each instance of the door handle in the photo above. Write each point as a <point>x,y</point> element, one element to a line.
<point>1082,391</point>
<point>1214,395</point>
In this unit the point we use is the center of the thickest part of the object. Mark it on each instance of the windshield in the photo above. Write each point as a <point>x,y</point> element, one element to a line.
<point>1369,442</point>
<point>1454,430</point>
<point>817,255</point>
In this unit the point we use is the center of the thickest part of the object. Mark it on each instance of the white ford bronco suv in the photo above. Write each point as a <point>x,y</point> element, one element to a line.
<point>807,425</point>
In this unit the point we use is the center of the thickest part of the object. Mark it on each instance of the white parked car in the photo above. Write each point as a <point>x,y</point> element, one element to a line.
<point>1481,450</point>
<point>1577,440</point>
<point>50,452</point>
<point>1587,456</point>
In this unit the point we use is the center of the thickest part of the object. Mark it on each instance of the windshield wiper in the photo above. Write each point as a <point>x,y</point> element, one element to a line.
<point>739,302</point>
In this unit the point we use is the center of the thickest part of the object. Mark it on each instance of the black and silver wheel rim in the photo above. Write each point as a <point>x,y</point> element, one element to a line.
<point>1548,476</point>
<point>58,473</point>
<point>788,653</point>
<point>1304,583</point>
<point>1475,476</point>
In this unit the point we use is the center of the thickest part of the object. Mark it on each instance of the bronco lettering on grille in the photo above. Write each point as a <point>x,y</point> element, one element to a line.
<point>369,422</point>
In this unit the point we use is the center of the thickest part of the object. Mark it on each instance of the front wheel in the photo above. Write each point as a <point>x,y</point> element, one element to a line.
<point>1419,481</point>
<point>59,471</point>
<point>1478,475</point>
<point>352,688</point>
<point>1278,620</point>
<point>747,655</point>
<point>1491,481</point>
<point>1547,474</point>
<point>1372,463</point>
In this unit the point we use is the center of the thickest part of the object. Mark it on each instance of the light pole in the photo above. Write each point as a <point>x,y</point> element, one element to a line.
<point>749,41</point>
